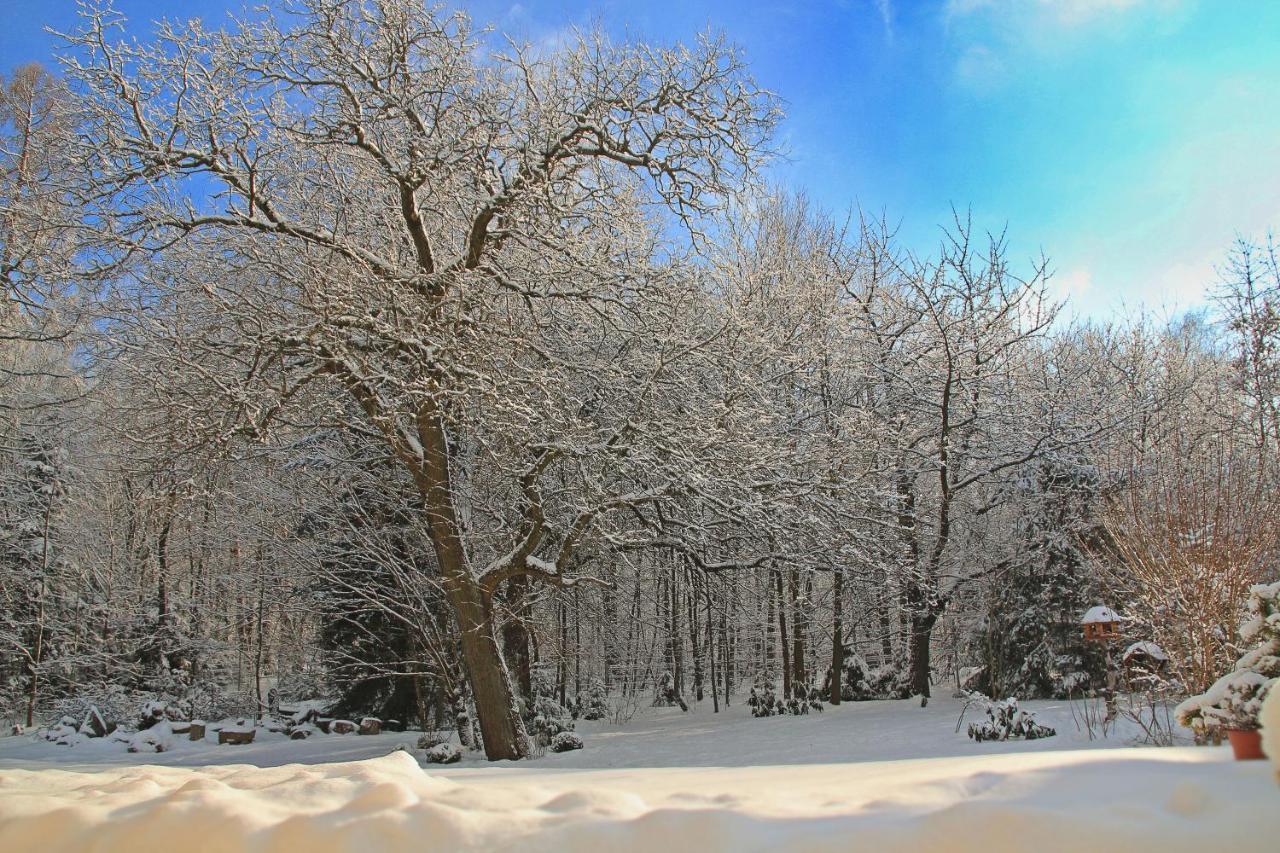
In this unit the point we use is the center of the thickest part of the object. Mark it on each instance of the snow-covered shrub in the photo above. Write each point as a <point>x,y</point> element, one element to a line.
<point>443,753</point>
<point>427,740</point>
<point>860,682</point>
<point>1005,721</point>
<point>666,694</point>
<point>63,733</point>
<point>804,699</point>
<point>544,717</point>
<point>594,704</point>
<point>762,700</point>
<point>548,718</point>
<point>565,742</point>
<point>1235,700</point>
<point>765,703</point>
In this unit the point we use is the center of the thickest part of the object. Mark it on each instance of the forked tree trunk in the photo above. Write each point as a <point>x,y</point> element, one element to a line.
<point>500,724</point>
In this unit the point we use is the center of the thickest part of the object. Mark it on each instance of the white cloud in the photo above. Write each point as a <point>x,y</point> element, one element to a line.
<point>1019,31</point>
<point>1066,12</point>
<point>980,68</point>
<point>885,8</point>
<point>1073,284</point>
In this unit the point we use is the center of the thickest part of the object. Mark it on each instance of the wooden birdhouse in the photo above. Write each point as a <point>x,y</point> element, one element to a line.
<point>1145,656</point>
<point>1101,624</point>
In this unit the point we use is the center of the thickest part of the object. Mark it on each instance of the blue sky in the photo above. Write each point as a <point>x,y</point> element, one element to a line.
<point>1130,140</point>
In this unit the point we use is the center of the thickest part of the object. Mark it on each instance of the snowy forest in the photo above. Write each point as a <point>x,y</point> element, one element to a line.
<point>354,353</point>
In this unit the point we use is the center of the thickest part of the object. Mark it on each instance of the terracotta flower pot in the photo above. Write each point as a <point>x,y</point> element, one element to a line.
<point>1246,744</point>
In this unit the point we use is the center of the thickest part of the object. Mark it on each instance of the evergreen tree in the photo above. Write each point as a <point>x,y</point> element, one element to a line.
<point>1030,638</point>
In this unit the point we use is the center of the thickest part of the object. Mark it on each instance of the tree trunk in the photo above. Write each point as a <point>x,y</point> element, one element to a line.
<point>782,630</point>
<point>728,648</point>
<point>515,634</point>
<point>837,635</point>
<point>562,664</point>
<point>799,625</point>
<point>499,718</point>
<point>770,626</point>
<point>922,622</point>
<point>673,631</point>
<point>694,644</point>
<point>711,647</point>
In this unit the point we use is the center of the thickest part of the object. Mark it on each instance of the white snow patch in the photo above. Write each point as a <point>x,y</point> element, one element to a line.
<point>884,776</point>
<point>1270,720</point>
<point>1136,799</point>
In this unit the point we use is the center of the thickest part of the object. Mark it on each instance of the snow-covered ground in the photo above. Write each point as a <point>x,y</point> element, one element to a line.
<point>881,775</point>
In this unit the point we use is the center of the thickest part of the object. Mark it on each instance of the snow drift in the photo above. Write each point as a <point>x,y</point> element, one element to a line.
<point>1172,799</point>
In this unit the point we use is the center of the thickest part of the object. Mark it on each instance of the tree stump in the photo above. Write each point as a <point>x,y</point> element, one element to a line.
<point>196,732</point>
<point>370,726</point>
<point>233,736</point>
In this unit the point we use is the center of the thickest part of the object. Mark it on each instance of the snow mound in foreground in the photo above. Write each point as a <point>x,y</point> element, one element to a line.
<point>1174,799</point>
<point>1270,720</point>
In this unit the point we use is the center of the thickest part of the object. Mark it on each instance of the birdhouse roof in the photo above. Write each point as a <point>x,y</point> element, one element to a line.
<point>1143,647</point>
<point>1099,614</point>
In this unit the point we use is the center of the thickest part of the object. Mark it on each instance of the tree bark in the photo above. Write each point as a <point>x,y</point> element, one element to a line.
<point>500,723</point>
<point>782,630</point>
<point>799,625</point>
<point>515,635</point>
<point>837,635</point>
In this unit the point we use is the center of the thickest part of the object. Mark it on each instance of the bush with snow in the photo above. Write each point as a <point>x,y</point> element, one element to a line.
<point>443,753</point>
<point>64,733</point>
<point>667,694</point>
<point>762,700</point>
<point>861,682</point>
<point>594,704</point>
<point>765,703</point>
<point>1235,700</point>
<point>544,717</point>
<point>565,742</point>
<point>1007,721</point>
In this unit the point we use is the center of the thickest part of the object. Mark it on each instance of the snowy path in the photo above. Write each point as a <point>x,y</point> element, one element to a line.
<point>667,782</point>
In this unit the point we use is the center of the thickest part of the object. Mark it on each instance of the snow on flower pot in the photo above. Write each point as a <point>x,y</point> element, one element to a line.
<point>1246,744</point>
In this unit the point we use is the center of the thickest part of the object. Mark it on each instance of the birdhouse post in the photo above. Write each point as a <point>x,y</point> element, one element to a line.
<point>1102,625</point>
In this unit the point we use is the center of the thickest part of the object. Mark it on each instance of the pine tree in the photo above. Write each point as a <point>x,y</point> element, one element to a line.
<point>1030,638</point>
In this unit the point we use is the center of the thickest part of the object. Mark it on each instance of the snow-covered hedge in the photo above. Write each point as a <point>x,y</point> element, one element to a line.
<point>1235,700</point>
